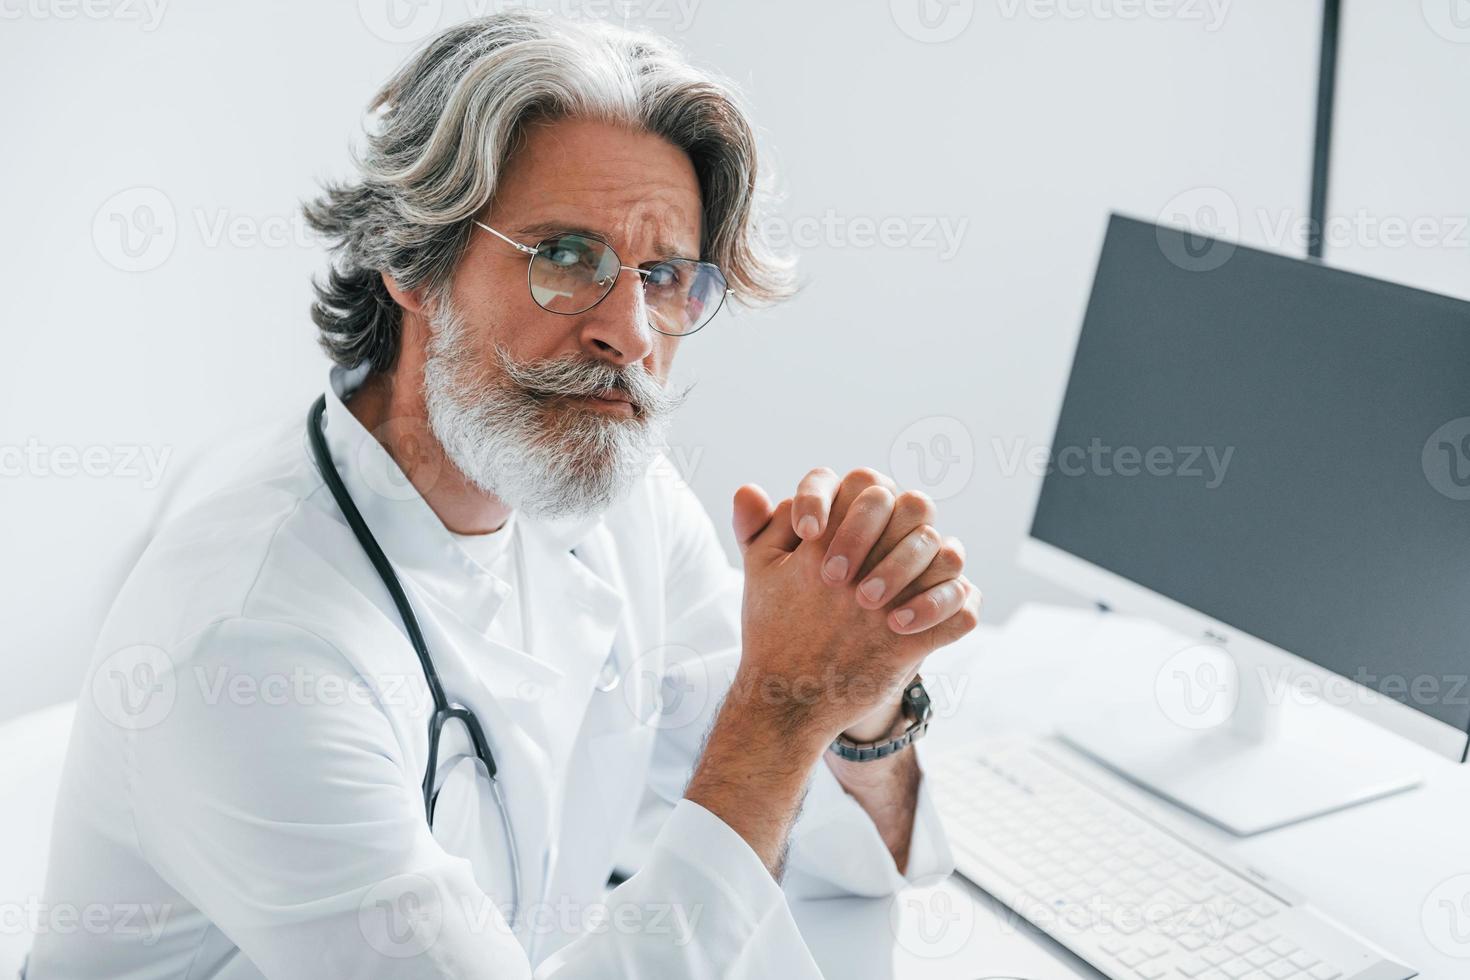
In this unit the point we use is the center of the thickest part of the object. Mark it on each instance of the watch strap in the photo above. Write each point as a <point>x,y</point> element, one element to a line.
<point>915,706</point>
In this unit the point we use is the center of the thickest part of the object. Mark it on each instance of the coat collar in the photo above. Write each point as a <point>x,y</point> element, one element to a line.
<point>411,534</point>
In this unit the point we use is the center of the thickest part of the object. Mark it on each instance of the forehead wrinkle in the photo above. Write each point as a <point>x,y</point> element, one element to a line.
<point>612,191</point>
<point>644,222</point>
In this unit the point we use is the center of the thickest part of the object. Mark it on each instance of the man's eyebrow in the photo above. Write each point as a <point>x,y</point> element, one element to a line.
<point>545,229</point>
<point>541,230</point>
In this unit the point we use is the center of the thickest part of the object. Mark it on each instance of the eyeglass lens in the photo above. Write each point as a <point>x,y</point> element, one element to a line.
<point>572,274</point>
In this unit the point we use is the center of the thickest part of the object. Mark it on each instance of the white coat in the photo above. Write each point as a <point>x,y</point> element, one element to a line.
<point>242,792</point>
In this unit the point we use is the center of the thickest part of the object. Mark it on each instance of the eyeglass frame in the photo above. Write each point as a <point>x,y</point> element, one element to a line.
<point>533,251</point>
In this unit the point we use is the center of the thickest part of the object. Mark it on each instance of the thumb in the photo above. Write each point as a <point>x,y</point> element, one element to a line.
<point>751,514</point>
<point>773,538</point>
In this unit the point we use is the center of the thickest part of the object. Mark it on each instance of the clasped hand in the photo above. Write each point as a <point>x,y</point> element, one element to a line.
<point>848,586</point>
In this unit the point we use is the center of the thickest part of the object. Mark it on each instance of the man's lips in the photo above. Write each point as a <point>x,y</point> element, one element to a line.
<point>612,400</point>
<point>613,395</point>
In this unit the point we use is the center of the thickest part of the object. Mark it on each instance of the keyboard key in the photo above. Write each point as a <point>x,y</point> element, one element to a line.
<point>1324,971</point>
<point>1193,890</point>
<point>1261,956</point>
<point>1215,955</point>
<point>1240,920</point>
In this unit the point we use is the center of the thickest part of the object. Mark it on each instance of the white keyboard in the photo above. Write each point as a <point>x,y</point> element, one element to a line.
<point>1037,827</point>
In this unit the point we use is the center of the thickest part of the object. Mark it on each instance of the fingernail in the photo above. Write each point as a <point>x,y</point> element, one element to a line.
<point>872,589</point>
<point>836,568</point>
<point>903,617</point>
<point>807,527</point>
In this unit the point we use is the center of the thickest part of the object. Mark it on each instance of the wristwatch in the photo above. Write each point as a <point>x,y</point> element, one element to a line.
<point>915,707</point>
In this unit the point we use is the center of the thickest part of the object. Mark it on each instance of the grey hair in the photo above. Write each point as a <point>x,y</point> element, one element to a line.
<point>449,119</point>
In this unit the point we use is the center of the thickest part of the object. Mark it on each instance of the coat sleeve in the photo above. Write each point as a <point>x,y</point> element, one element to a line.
<point>286,815</point>
<point>835,847</point>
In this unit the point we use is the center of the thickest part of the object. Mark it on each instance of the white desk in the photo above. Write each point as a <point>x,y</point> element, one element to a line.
<point>1376,868</point>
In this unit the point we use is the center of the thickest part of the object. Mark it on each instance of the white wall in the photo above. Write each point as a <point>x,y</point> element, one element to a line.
<point>1400,198</point>
<point>1020,131</point>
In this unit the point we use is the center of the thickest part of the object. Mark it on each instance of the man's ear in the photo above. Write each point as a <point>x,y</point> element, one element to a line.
<point>412,300</point>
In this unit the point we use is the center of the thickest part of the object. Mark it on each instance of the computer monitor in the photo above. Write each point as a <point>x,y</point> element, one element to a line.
<point>1272,456</point>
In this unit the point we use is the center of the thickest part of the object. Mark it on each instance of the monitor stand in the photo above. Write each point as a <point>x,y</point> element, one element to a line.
<point>1264,757</point>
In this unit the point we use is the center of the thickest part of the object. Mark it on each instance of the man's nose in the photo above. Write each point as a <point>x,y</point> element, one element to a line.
<point>617,329</point>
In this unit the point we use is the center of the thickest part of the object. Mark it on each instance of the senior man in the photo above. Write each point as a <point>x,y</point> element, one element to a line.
<point>401,700</point>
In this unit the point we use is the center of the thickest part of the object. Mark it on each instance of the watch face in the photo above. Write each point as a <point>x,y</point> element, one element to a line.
<point>916,702</point>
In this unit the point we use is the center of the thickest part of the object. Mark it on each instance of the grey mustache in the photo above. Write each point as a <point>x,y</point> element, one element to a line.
<point>579,378</point>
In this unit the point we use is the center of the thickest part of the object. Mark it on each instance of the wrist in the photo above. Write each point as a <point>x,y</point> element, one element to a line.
<point>885,723</point>
<point>753,773</point>
<point>768,716</point>
<point>915,712</point>
<point>855,775</point>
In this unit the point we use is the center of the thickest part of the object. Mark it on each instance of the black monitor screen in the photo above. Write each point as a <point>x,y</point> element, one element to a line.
<point>1282,446</point>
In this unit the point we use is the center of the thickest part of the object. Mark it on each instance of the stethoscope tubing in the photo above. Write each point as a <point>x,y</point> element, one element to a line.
<point>384,568</point>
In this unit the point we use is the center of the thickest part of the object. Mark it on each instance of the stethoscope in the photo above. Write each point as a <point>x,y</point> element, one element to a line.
<point>444,710</point>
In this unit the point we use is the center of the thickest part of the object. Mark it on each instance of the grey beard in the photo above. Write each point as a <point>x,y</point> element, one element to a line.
<point>509,436</point>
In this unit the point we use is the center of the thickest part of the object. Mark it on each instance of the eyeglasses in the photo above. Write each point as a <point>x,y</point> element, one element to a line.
<point>571,273</point>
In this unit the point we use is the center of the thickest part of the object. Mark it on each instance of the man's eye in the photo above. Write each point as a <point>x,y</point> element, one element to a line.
<point>561,255</point>
<point>663,276</point>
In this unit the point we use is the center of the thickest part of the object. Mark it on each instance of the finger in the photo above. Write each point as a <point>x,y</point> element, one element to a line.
<point>812,502</point>
<point>959,624</point>
<point>910,510</point>
<point>929,608</point>
<point>861,525</point>
<point>776,538</point>
<point>751,512</point>
<point>901,567</point>
<point>948,563</point>
<point>852,485</point>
